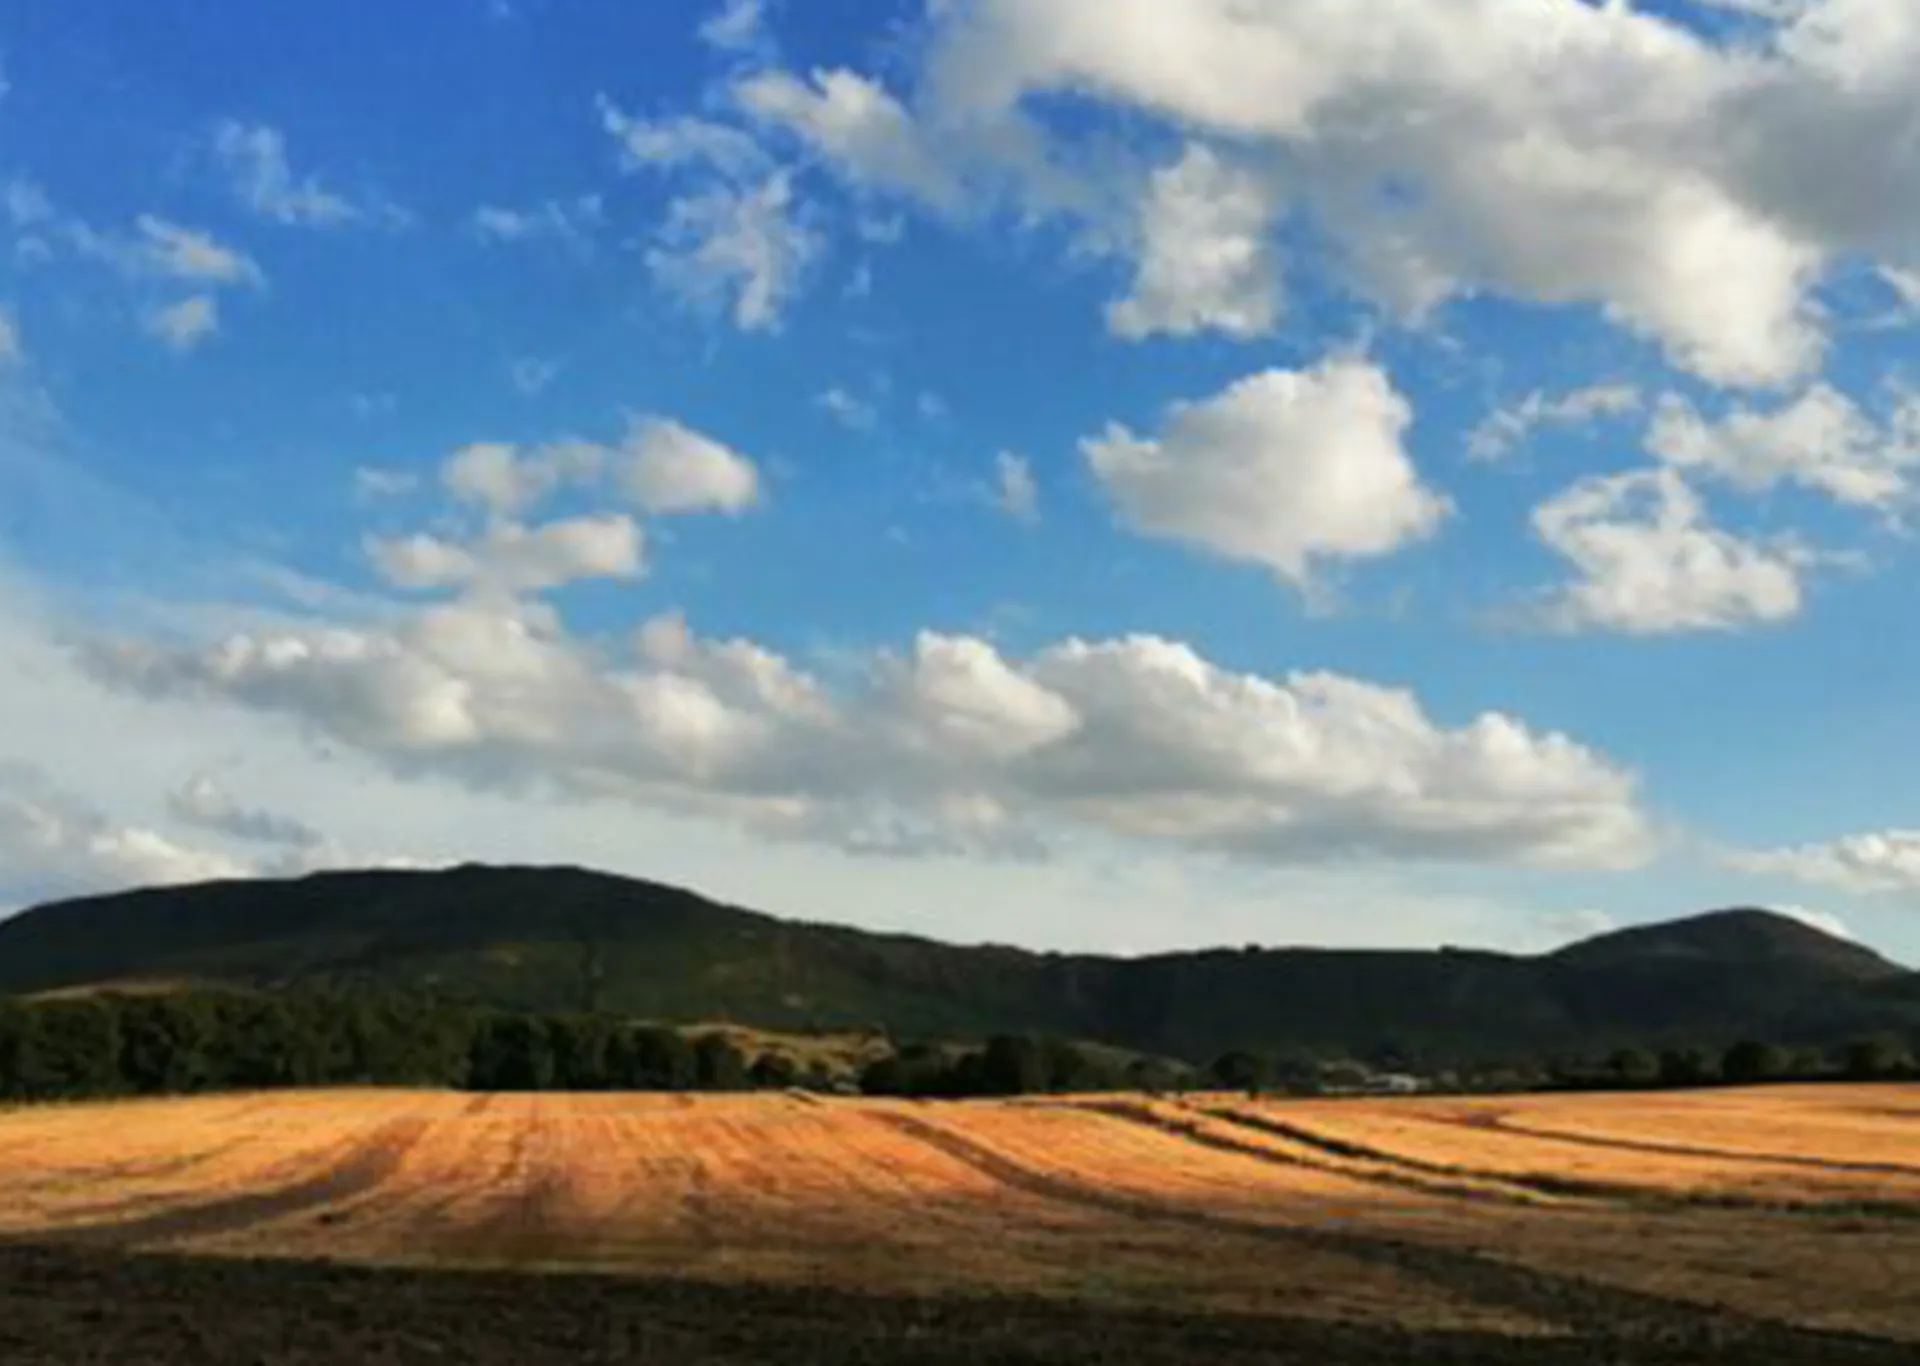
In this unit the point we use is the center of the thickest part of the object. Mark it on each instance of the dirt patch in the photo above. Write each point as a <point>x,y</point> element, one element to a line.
<point>59,1307</point>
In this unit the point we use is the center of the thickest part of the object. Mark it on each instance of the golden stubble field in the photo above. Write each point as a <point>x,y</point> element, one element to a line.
<point>1515,1214</point>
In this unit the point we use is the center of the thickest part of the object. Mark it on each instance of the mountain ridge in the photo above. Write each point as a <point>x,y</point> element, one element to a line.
<point>565,937</point>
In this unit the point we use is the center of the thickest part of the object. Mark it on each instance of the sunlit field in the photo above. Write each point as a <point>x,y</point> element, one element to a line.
<point>1526,1216</point>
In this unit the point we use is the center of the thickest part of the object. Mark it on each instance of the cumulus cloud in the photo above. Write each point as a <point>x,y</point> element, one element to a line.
<point>1879,863</point>
<point>202,802</point>
<point>860,126</point>
<point>1505,429</point>
<point>1283,468</point>
<point>514,558</point>
<point>185,324</point>
<point>507,480</point>
<point>54,844</point>
<point>1017,494</point>
<point>1649,562</point>
<point>1821,440</point>
<point>741,252</point>
<point>952,746</point>
<point>740,242</point>
<point>667,467</point>
<point>735,27</point>
<point>255,158</point>
<point>1695,190</point>
<point>1206,258</point>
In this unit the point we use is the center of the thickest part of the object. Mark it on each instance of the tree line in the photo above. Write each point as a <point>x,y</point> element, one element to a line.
<point>110,1044</point>
<point>189,1041</point>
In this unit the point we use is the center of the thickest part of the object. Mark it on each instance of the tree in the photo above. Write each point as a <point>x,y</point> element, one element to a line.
<point>1633,1066</point>
<point>166,1043</point>
<point>884,1076</point>
<point>1686,1067</point>
<point>1013,1065</point>
<point>1239,1070</point>
<point>650,1058</point>
<point>1752,1061</point>
<point>1877,1059</point>
<point>71,1048</point>
<point>718,1065</point>
<point>581,1045</point>
<point>512,1053</point>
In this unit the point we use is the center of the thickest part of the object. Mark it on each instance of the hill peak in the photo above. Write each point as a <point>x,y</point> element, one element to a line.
<point>1743,934</point>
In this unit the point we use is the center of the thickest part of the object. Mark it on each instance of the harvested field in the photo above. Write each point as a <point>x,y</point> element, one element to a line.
<point>1777,1225</point>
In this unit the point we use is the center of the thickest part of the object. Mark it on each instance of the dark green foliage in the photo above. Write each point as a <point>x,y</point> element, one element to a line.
<point>167,1043</point>
<point>718,1065</point>
<point>1014,1065</point>
<point>1688,1067</point>
<point>1752,1061</point>
<point>646,1058</point>
<point>581,1045</point>
<point>511,1053</point>
<point>1239,1070</point>
<point>1877,1059</point>
<point>72,1049</point>
<point>1633,1067</point>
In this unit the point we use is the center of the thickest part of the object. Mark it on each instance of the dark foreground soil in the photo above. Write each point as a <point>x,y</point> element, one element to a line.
<point>73,1307</point>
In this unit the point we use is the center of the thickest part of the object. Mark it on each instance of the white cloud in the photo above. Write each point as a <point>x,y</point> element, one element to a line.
<point>421,561</point>
<point>1206,253</point>
<point>1824,921</point>
<point>202,802</point>
<point>373,481</point>
<point>12,351</point>
<point>54,844</point>
<point>507,480</point>
<point>550,220</point>
<point>1506,429</point>
<point>848,411</point>
<point>740,242</point>
<point>185,324</point>
<point>1017,494</point>
<point>186,254</point>
<point>1821,440</point>
<point>255,156</point>
<point>1880,863</point>
<point>735,27</point>
<point>1649,562</point>
<point>743,252</point>
<point>1094,893</point>
<point>954,747</point>
<point>685,142</point>
<point>1283,469</point>
<point>1562,152</point>
<point>860,126</point>
<point>513,558</point>
<point>667,467</point>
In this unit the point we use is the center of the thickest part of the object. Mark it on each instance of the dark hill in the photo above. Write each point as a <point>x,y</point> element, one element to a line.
<point>1743,937</point>
<point>564,938</point>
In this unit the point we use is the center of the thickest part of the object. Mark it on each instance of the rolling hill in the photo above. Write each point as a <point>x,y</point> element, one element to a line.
<point>566,938</point>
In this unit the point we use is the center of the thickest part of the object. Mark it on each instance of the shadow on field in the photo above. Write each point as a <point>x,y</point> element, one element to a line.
<point>75,1307</point>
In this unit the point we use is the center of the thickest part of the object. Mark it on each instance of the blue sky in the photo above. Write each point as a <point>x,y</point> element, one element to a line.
<point>1083,474</point>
